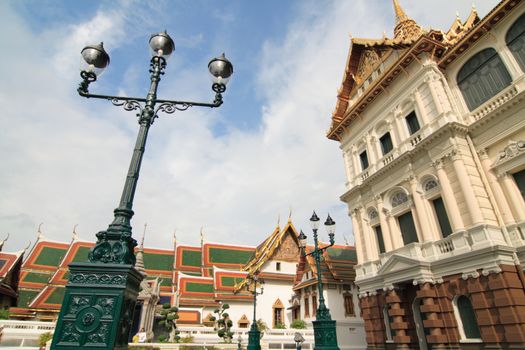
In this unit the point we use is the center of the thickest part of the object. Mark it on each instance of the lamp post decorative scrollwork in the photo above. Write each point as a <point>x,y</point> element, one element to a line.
<point>110,269</point>
<point>324,327</point>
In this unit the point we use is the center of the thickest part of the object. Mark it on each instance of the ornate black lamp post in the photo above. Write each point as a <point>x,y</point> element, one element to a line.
<point>101,294</point>
<point>254,335</point>
<point>324,327</point>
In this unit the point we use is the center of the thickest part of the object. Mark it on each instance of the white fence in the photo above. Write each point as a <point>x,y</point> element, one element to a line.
<point>25,334</point>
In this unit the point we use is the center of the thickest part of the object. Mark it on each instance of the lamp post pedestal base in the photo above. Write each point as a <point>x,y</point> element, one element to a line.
<point>254,338</point>
<point>325,335</point>
<point>98,307</point>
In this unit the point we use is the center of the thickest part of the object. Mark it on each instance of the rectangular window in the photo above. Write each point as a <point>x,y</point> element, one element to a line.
<point>364,160</point>
<point>519,177</point>
<point>412,123</point>
<point>278,266</point>
<point>306,307</point>
<point>380,241</point>
<point>386,143</point>
<point>314,304</point>
<point>442,217</point>
<point>407,227</point>
<point>349,305</point>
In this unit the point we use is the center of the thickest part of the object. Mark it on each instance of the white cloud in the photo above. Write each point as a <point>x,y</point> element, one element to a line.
<point>64,159</point>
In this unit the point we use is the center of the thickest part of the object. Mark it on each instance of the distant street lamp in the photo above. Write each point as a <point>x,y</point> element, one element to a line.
<point>298,339</point>
<point>324,327</point>
<point>254,335</point>
<point>101,294</point>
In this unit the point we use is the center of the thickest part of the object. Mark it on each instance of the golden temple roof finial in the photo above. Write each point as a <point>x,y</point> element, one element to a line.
<point>290,214</point>
<point>39,231</point>
<point>400,14</point>
<point>75,234</point>
<point>405,28</point>
<point>143,235</point>
<point>202,236</point>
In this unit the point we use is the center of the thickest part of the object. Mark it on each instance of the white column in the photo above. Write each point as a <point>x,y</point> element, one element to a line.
<point>420,108</point>
<point>401,126</point>
<point>387,235</point>
<point>435,98</point>
<point>372,157</point>
<point>448,197</point>
<point>360,249</point>
<point>466,187</point>
<point>355,160</point>
<point>392,128</point>
<point>397,239</point>
<point>514,195</point>
<point>499,196</point>
<point>350,174</point>
<point>369,243</point>
<point>420,215</point>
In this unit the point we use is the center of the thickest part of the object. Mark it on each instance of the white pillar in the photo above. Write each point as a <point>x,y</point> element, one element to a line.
<point>360,249</point>
<point>387,235</point>
<point>372,157</point>
<point>419,216</point>
<point>448,197</point>
<point>514,195</point>
<point>366,235</point>
<point>499,196</point>
<point>435,98</point>
<point>466,187</point>
<point>420,108</point>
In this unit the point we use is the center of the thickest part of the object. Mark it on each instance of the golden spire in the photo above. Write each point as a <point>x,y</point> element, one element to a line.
<point>400,14</point>
<point>406,28</point>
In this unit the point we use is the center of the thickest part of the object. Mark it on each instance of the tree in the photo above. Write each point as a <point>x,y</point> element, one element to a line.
<point>169,315</point>
<point>223,323</point>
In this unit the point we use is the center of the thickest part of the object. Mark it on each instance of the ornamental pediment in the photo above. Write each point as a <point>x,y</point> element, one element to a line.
<point>397,263</point>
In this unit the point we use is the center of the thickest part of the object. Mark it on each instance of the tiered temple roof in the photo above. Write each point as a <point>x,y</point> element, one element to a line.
<point>337,267</point>
<point>371,68</point>
<point>192,276</point>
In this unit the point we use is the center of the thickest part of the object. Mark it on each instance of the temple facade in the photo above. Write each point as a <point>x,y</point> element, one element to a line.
<point>431,124</point>
<point>198,278</point>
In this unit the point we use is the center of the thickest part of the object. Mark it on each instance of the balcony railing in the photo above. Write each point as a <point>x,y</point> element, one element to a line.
<point>458,243</point>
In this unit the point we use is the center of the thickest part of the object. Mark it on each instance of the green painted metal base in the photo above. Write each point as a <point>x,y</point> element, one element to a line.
<point>254,338</point>
<point>325,335</point>
<point>98,307</point>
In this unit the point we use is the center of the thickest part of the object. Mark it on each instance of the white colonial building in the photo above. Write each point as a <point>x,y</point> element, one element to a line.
<point>432,128</point>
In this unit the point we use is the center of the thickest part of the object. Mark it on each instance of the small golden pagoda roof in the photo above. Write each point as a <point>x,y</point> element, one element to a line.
<point>406,28</point>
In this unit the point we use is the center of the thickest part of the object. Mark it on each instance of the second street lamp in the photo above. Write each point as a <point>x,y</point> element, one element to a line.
<point>101,294</point>
<point>254,335</point>
<point>324,327</point>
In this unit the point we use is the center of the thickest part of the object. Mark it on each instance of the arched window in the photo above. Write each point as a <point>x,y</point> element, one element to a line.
<point>430,184</point>
<point>516,41</point>
<point>466,317</point>
<point>482,77</point>
<point>389,332</point>
<point>398,199</point>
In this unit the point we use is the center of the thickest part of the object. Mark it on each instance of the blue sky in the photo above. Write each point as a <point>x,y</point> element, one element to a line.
<point>232,171</point>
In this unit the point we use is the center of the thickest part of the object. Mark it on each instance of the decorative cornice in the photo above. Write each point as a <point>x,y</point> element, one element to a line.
<point>512,150</point>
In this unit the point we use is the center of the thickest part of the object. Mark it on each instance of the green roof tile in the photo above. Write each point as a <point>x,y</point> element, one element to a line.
<point>230,281</point>
<point>25,297</point>
<point>36,277</point>
<point>342,254</point>
<point>229,256</point>
<point>163,262</point>
<point>199,287</point>
<point>191,258</point>
<point>81,255</point>
<point>50,256</point>
<point>56,296</point>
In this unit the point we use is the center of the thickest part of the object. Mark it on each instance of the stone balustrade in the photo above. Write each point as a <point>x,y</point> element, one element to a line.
<point>458,243</point>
